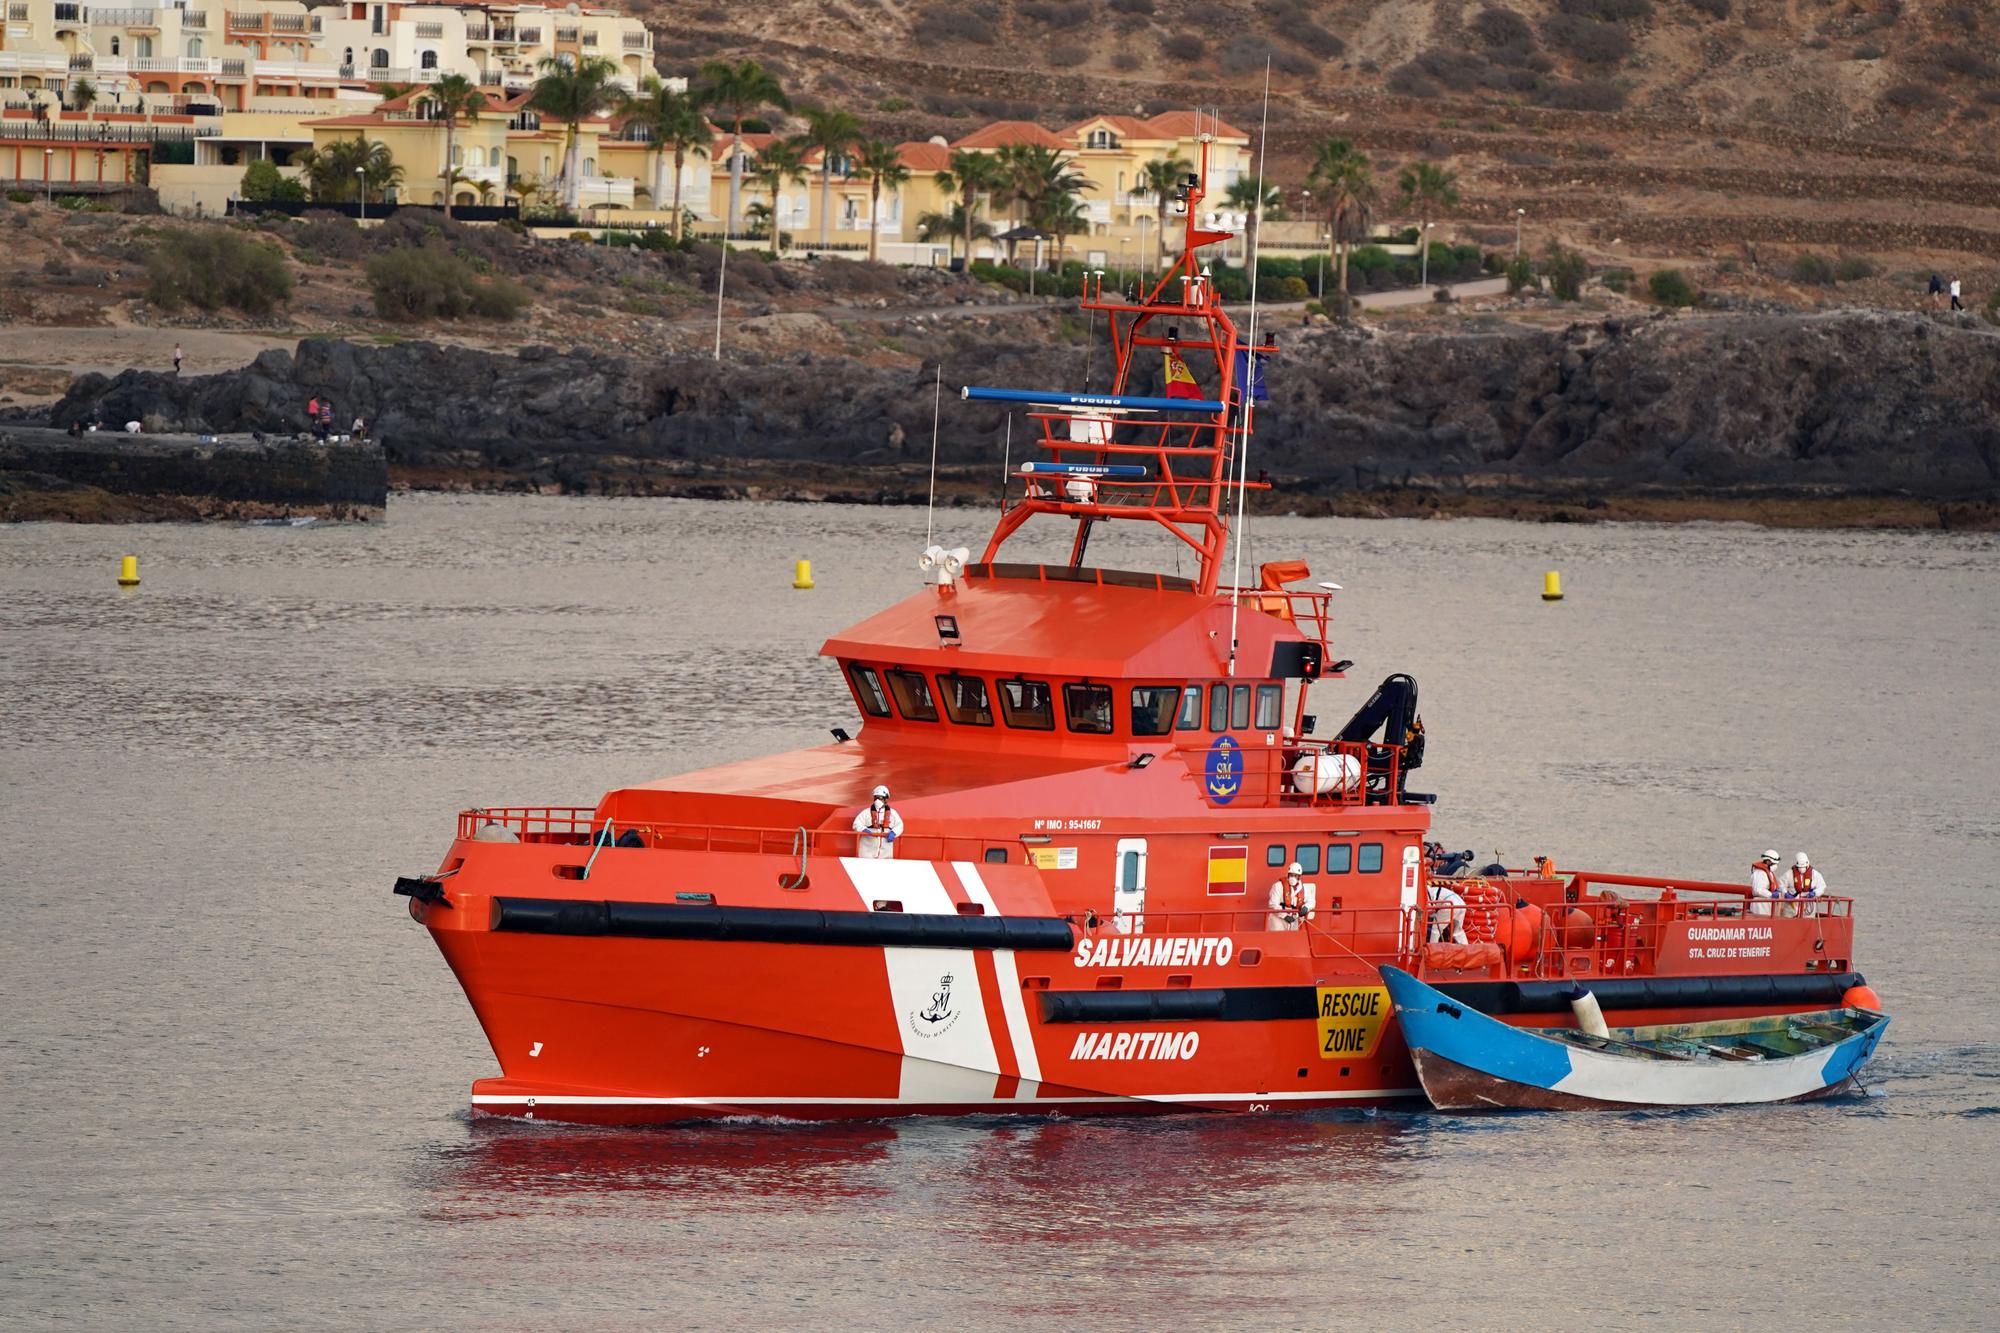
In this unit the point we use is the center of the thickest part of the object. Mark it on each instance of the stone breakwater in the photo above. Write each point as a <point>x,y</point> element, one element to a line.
<point>105,476</point>
<point>1833,405</point>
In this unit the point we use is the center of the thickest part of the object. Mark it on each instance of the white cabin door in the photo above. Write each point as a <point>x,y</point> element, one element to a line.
<point>1412,894</point>
<point>1128,896</point>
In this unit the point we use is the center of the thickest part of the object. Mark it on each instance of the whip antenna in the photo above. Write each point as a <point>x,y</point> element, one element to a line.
<point>1249,386</point>
<point>937,409</point>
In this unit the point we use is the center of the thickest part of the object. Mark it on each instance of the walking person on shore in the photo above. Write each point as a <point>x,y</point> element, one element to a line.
<point>1937,290</point>
<point>177,358</point>
<point>1954,295</point>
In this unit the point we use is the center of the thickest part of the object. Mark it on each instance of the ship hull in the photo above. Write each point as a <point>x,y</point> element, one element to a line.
<point>632,1032</point>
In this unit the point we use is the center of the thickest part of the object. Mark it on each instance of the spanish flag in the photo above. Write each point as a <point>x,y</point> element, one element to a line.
<point>1228,870</point>
<point>1180,380</point>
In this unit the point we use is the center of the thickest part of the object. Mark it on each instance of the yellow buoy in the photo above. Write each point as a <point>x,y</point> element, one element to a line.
<point>128,572</point>
<point>1552,587</point>
<point>802,573</point>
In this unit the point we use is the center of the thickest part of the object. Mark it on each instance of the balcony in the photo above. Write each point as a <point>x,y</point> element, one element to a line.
<point>233,69</point>
<point>17,13</point>
<point>478,32</point>
<point>170,65</point>
<point>33,62</point>
<point>80,64</point>
<point>568,36</point>
<point>68,13</point>
<point>430,31</point>
<point>590,38</point>
<point>599,191</point>
<point>195,18</point>
<point>528,36</point>
<point>638,41</point>
<point>295,23</point>
<point>124,18</point>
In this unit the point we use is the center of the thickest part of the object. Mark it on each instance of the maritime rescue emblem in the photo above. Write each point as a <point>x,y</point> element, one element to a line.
<point>1223,770</point>
<point>936,1018</point>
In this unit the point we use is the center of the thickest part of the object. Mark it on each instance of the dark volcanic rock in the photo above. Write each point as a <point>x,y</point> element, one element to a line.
<point>1854,401</point>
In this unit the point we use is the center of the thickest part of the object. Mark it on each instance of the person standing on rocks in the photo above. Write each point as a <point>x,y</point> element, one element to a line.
<point>177,358</point>
<point>1937,290</point>
<point>1955,305</point>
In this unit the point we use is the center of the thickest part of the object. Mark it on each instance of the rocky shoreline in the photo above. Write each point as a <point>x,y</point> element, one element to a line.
<point>1842,419</point>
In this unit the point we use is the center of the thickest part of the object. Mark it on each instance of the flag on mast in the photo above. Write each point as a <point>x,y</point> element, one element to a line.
<point>1179,379</point>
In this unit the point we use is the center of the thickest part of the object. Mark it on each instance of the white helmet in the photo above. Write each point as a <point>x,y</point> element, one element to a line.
<point>1295,869</point>
<point>1772,857</point>
<point>1802,861</point>
<point>882,792</point>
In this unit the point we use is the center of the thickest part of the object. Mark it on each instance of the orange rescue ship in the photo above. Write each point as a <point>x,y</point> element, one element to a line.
<point>1101,777</point>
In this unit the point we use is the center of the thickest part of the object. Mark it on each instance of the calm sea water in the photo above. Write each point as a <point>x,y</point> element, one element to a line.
<point>236,1072</point>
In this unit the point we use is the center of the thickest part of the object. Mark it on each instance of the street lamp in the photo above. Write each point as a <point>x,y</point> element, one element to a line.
<point>1144,222</point>
<point>1519,213</point>
<point>48,175</point>
<point>361,190</point>
<point>1424,245</point>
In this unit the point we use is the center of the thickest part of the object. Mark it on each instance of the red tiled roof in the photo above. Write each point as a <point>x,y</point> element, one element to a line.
<point>1006,133</point>
<point>924,156</point>
<point>1129,126</point>
<point>1181,125</point>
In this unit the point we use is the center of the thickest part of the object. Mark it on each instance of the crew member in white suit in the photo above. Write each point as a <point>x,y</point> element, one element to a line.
<point>1806,882</point>
<point>1292,899</point>
<point>1447,914</point>
<point>879,825</point>
<point>1764,884</point>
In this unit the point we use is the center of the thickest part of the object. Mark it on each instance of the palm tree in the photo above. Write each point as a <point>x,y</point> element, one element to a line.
<point>1162,178</point>
<point>970,174</point>
<point>82,95</point>
<point>524,188</point>
<point>573,92</point>
<point>1257,201</point>
<point>450,97</point>
<point>740,90</point>
<point>1346,182</point>
<point>1062,216</point>
<point>882,164</point>
<point>949,226</point>
<point>1043,180</point>
<point>832,132</point>
<point>777,163</point>
<point>1426,188</point>
<point>675,124</point>
<point>332,172</point>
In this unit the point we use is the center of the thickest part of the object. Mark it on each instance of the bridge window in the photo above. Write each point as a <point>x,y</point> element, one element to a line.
<point>965,700</point>
<point>1339,858</point>
<point>1239,708</point>
<point>1270,706</point>
<point>1370,860</point>
<point>1027,704</point>
<point>1190,719</point>
<point>1308,858</point>
<point>1218,708</point>
<point>1087,708</point>
<point>1153,708</point>
<point>868,690</point>
<point>913,696</point>
<point>1274,855</point>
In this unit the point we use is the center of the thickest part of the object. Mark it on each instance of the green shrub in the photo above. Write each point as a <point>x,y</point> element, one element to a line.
<point>1293,289</point>
<point>1618,279</point>
<point>212,267</point>
<point>21,196</point>
<point>1812,270</point>
<point>264,183</point>
<point>1853,268</point>
<point>77,203</point>
<point>416,282</point>
<point>1565,271</point>
<point>1521,275</point>
<point>1993,307</point>
<point>1670,287</point>
<point>893,104</point>
<point>1369,259</point>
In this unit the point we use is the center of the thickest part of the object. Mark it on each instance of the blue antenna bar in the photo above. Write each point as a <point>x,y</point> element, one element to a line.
<point>1056,398</point>
<point>1086,469</point>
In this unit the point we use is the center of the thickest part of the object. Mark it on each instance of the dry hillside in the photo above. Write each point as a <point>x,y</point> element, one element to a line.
<point>1640,129</point>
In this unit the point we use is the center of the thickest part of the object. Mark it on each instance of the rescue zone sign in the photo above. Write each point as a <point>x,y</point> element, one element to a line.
<point>1350,1020</point>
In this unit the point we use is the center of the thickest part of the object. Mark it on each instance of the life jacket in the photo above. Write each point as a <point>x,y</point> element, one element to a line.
<point>1770,875</point>
<point>1293,896</point>
<point>883,818</point>
<point>1802,881</point>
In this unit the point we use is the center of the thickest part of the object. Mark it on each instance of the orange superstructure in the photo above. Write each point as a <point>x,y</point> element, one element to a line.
<point>1099,777</point>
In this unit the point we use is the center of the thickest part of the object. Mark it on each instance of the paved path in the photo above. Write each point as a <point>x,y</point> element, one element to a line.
<point>110,350</point>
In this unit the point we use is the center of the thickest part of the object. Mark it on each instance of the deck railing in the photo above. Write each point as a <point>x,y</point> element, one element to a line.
<point>1295,773</point>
